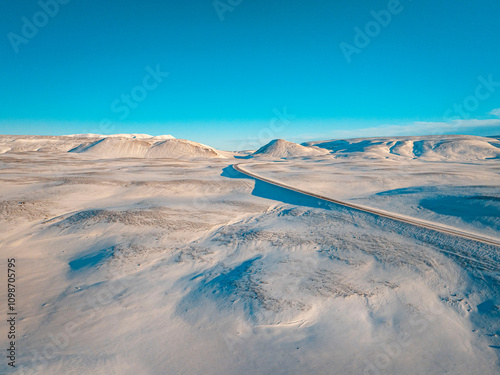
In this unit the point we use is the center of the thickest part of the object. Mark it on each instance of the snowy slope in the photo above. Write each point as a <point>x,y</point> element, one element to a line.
<point>115,147</point>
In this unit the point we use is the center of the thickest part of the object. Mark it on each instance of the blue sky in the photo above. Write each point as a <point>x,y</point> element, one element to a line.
<point>235,74</point>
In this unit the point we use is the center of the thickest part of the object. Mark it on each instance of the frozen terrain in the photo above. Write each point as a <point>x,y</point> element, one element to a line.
<point>150,255</point>
<point>448,182</point>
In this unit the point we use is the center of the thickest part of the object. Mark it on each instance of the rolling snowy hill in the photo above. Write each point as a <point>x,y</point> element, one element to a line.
<point>430,148</point>
<point>442,147</point>
<point>112,146</point>
<point>182,149</point>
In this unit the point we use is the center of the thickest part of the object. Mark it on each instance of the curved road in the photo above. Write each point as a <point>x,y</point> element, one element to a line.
<point>373,211</point>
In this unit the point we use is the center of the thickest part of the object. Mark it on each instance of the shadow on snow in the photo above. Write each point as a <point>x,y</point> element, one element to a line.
<point>269,191</point>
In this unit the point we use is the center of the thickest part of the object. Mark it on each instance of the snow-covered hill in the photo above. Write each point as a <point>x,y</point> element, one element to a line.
<point>279,148</point>
<point>112,146</point>
<point>115,147</point>
<point>180,149</point>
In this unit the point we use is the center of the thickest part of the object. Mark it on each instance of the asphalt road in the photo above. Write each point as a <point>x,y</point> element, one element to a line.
<point>374,211</point>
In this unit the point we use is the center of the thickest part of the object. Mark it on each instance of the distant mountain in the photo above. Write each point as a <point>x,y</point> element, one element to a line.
<point>115,147</point>
<point>149,148</point>
<point>432,148</point>
<point>181,148</point>
<point>279,148</point>
<point>436,147</point>
<point>31,143</point>
<point>112,146</point>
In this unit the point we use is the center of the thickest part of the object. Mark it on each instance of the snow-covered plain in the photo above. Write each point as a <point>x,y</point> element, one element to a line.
<point>178,264</point>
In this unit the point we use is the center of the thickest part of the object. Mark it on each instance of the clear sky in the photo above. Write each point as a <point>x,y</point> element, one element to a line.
<point>243,72</point>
